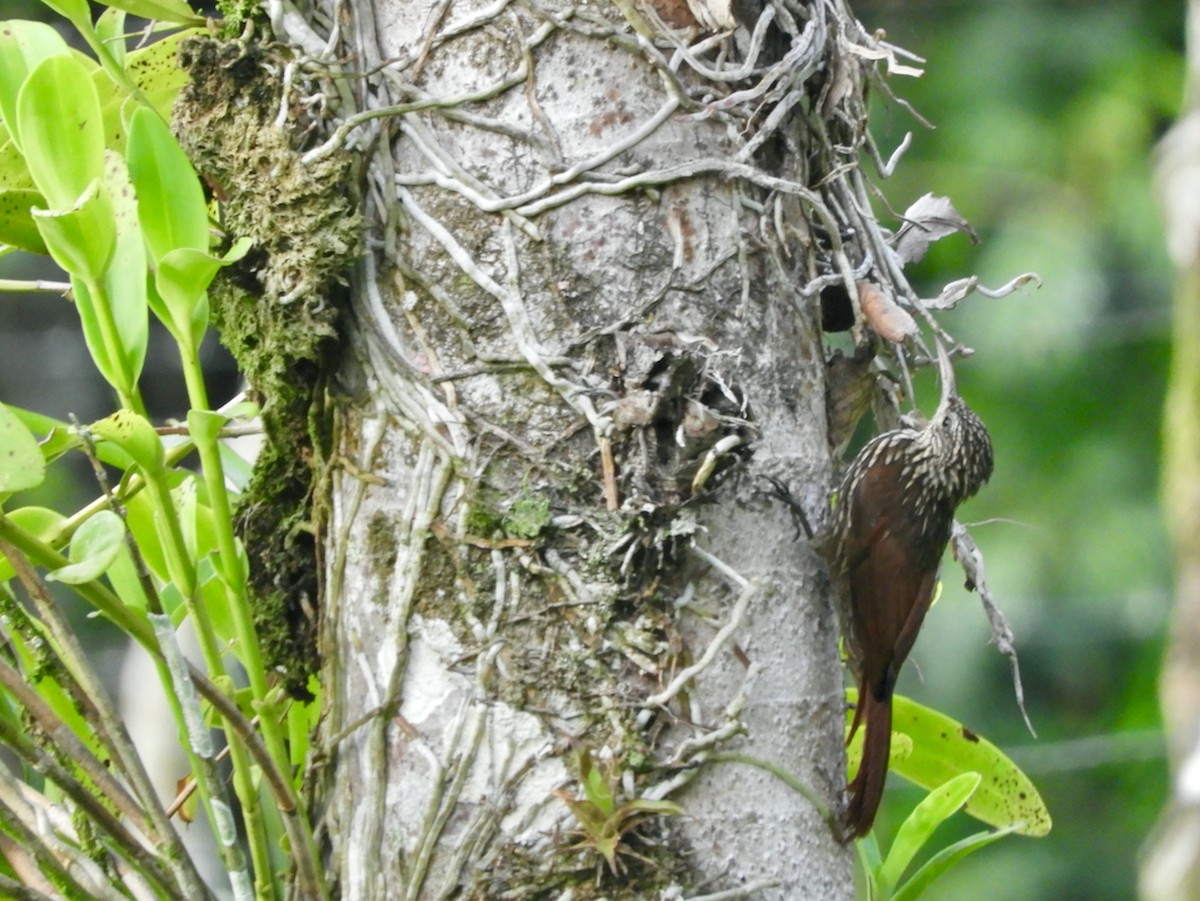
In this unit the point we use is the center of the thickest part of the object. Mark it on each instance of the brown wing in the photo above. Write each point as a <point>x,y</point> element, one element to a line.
<point>890,573</point>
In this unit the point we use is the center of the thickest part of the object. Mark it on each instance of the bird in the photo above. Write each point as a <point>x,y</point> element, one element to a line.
<point>890,525</point>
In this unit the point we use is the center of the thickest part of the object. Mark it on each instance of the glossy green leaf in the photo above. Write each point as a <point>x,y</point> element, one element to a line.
<point>238,470</point>
<point>61,129</point>
<point>42,523</point>
<point>944,860</point>
<point>943,748</point>
<point>112,303</point>
<point>125,278</point>
<point>17,227</point>
<point>187,506</point>
<point>21,462</point>
<point>89,306</point>
<point>125,580</point>
<point>60,437</point>
<point>160,10</point>
<point>170,200</point>
<point>136,436</point>
<point>94,547</point>
<point>596,787</point>
<point>14,174</point>
<point>81,237</point>
<point>205,425</point>
<point>156,71</point>
<point>75,11</point>
<point>215,598</point>
<point>934,809</point>
<point>302,721</point>
<point>23,45</point>
<point>181,279</point>
<point>155,68</point>
<point>110,31</point>
<point>140,520</point>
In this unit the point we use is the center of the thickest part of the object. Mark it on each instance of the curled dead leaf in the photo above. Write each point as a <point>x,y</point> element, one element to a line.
<point>889,320</point>
<point>929,219</point>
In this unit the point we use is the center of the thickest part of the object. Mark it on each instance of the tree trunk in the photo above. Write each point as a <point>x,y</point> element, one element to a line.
<point>585,324</point>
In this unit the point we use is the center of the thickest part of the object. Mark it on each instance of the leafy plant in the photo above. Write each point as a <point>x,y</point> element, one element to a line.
<point>91,175</point>
<point>962,771</point>
<point>605,820</point>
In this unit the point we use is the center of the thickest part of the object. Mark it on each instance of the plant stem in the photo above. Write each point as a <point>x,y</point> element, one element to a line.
<point>204,429</point>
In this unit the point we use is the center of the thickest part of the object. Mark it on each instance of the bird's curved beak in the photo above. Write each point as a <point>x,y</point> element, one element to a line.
<point>946,375</point>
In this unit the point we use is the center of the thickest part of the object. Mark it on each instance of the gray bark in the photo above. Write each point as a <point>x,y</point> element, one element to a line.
<point>591,275</point>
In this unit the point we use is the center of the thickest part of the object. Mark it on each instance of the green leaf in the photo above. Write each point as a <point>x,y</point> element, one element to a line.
<point>649,805</point>
<point>181,280</point>
<point>125,279</point>
<point>75,11</point>
<point>136,436</point>
<point>598,792</point>
<point>302,722</point>
<point>110,31</point>
<point>61,129</point>
<point>172,601</point>
<point>170,200</point>
<point>21,462</point>
<point>944,748</point>
<point>59,437</point>
<point>205,425</point>
<point>139,519</point>
<point>14,174</point>
<point>182,277</point>
<point>89,307</point>
<point>94,547</point>
<point>22,46</point>
<point>112,303</point>
<point>156,71</point>
<point>944,860</point>
<point>934,809</point>
<point>17,227</point>
<point>215,598</point>
<point>125,580</point>
<point>236,468</point>
<point>188,508</point>
<point>42,523</point>
<point>160,10</point>
<point>80,237</point>
<point>595,784</point>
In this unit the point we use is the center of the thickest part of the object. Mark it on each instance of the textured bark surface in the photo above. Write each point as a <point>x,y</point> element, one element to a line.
<point>586,322</point>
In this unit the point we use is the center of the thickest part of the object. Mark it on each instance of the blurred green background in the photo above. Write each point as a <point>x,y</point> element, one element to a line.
<point>1047,114</point>
<point>1046,118</point>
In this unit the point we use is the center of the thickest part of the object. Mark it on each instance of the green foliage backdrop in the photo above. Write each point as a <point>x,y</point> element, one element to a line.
<point>1046,115</point>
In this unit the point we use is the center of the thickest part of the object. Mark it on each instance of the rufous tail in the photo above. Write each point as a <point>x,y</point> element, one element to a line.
<point>866,791</point>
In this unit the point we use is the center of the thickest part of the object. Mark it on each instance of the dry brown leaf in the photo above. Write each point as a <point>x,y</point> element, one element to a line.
<point>889,320</point>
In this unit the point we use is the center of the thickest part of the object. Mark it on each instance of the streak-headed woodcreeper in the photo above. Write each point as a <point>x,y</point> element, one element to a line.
<point>891,524</point>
